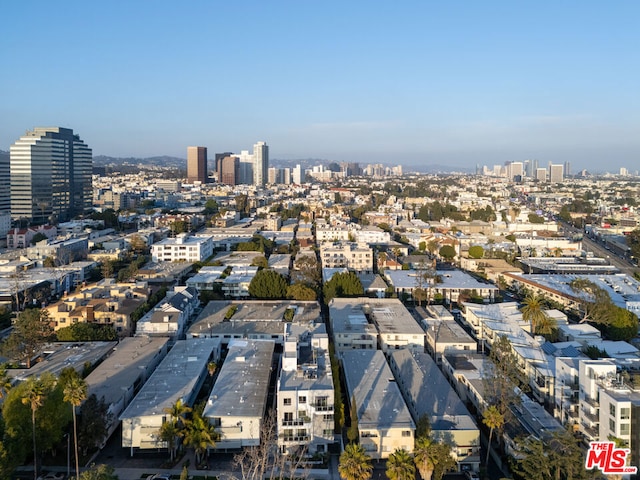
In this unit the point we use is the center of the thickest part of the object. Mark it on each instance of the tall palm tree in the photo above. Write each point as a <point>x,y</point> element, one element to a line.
<point>176,426</point>
<point>34,397</point>
<point>400,466</point>
<point>75,392</point>
<point>169,433</point>
<point>423,457</point>
<point>493,419</point>
<point>355,464</point>
<point>533,311</point>
<point>200,435</point>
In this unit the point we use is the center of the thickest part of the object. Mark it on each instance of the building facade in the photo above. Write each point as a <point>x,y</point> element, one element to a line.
<point>50,175</point>
<point>261,164</point>
<point>197,164</point>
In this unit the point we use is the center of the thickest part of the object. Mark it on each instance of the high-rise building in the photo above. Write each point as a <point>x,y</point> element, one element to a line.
<point>218,164</point>
<point>296,175</point>
<point>197,164</point>
<point>50,175</point>
<point>245,168</point>
<point>541,174</point>
<point>228,170</point>
<point>556,173</point>
<point>260,164</point>
<point>5,183</point>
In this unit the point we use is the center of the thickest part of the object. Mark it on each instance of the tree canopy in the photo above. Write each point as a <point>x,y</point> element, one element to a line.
<point>31,330</point>
<point>476,251</point>
<point>268,284</point>
<point>345,284</point>
<point>87,332</point>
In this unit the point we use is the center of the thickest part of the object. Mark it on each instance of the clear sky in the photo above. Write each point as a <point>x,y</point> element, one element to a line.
<point>412,82</point>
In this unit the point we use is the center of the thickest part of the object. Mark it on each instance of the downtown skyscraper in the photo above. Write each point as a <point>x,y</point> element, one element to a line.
<point>197,164</point>
<point>260,164</point>
<point>50,175</point>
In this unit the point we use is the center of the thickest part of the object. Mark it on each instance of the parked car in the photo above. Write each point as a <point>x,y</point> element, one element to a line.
<point>159,476</point>
<point>52,476</point>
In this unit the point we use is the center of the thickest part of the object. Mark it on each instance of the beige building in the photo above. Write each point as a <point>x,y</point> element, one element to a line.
<point>353,256</point>
<point>101,304</point>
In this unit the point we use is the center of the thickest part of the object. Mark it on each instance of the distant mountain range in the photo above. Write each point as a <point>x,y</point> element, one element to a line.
<point>181,163</point>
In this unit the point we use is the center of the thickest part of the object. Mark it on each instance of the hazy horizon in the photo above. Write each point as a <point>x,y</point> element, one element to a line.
<point>413,83</point>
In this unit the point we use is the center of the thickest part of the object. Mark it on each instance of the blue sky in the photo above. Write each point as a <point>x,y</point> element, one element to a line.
<point>425,82</point>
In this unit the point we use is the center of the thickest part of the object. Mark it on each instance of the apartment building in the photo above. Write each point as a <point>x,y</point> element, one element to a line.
<point>305,393</point>
<point>183,248</point>
<point>357,257</point>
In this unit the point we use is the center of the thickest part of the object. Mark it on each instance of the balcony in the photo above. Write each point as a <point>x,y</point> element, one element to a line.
<point>304,438</point>
<point>292,423</point>
<point>591,417</point>
<point>323,408</point>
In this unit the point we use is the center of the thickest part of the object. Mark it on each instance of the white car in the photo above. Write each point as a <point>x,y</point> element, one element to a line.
<point>159,476</point>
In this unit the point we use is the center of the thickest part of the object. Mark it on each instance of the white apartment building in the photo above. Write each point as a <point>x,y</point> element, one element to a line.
<point>349,325</point>
<point>372,234</point>
<point>353,256</point>
<point>238,401</point>
<point>328,233</point>
<point>183,248</point>
<point>305,392</point>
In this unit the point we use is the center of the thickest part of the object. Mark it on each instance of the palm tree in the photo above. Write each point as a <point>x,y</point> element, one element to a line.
<point>533,311</point>
<point>200,435</point>
<point>400,466</point>
<point>169,433</point>
<point>211,368</point>
<point>75,392</point>
<point>34,397</point>
<point>493,419</point>
<point>355,464</point>
<point>423,457</point>
<point>175,427</point>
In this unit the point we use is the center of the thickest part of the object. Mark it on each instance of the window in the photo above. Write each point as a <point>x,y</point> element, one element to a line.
<point>612,425</point>
<point>287,401</point>
<point>624,429</point>
<point>625,413</point>
<point>302,399</point>
<point>406,433</point>
<point>612,409</point>
<point>288,417</point>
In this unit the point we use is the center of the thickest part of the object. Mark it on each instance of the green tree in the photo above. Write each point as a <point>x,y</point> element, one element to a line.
<point>448,252</point>
<point>299,291</point>
<point>594,303</point>
<point>423,455</point>
<point>99,472</point>
<point>353,432</point>
<point>107,268</point>
<point>87,332</point>
<point>633,241</point>
<point>211,207</point>
<point>176,426</point>
<point>268,284</point>
<point>342,285</point>
<point>200,435</point>
<point>354,463</point>
<point>75,392</point>
<point>34,394</point>
<point>533,311</point>
<point>38,237</point>
<point>423,426</point>
<point>93,423</point>
<point>493,419</point>
<point>31,330</point>
<point>5,381</point>
<point>400,466</point>
<point>476,251</point>
<point>622,325</point>
<point>260,262</point>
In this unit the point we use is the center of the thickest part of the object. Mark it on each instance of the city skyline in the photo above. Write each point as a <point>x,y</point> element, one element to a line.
<point>413,85</point>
